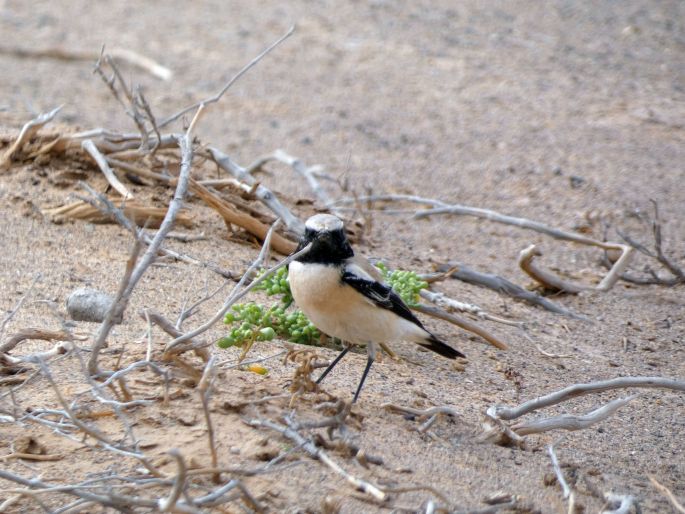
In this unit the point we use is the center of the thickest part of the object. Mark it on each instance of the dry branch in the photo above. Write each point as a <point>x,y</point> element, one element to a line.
<point>233,216</point>
<point>503,286</point>
<point>668,494</point>
<point>438,207</point>
<point>92,150</point>
<point>129,282</point>
<point>64,54</point>
<point>462,323</point>
<point>509,413</point>
<point>450,304</point>
<point>34,333</point>
<point>27,132</point>
<point>317,453</point>
<point>204,387</point>
<point>266,196</point>
<point>568,422</point>
<point>141,215</point>
<point>307,173</point>
<point>217,97</point>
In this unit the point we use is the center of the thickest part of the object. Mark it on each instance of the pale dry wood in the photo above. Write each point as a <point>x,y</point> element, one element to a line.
<point>32,456</point>
<point>307,173</point>
<point>568,493</point>
<point>317,453</point>
<point>204,387</point>
<point>265,195</point>
<point>35,333</point>
<point>501,285</point>
<point>92,150</point>
<point>233,216</point>
<point>625,502</point>
<point>141,215</point>
<point>438,207</point>
<point>570,422</point>
<point>26,133</point>
<point>575,390</point>
<point>667,493</point>
<point>131,278</point>
<point>556,283</point>
<point>462,323</point>
<point>168,504</point>
<point>215,98</point>
<point>67,54</point>
<point>450,304</point>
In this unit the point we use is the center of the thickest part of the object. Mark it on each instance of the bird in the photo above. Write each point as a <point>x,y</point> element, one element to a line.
<point>344,297</point>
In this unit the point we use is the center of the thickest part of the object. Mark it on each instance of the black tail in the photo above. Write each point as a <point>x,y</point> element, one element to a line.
<point>435,345</point>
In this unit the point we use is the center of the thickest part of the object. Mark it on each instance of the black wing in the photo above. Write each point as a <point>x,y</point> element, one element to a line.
<point>381,295</point>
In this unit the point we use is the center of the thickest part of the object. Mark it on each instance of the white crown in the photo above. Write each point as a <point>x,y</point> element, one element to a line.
<point>324,223</point>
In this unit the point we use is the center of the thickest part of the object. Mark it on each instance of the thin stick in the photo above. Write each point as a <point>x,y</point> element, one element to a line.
<point>217,97</point>
<point>569,422</point>
<point>150,255</point>
<point>504,286</point>
<point>508,413</point>
<point>306,173</point>
<point>115,311</point>
<point>237,294</point>
<point>625,502</point>
<point>26,133</point>
<point>667,493</point>
<point>204,387</point>
<point>92,150</point>
<point>266,196</point>
<point>318,454</point>
<point>169,504</point>
<point>449,304</point>
<point>66,54</point>
<point>462,323</point>
<point>34,333</point>
<point>568,492</point>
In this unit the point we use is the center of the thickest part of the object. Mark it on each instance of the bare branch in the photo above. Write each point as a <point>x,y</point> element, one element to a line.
<point>462,323</point>
<point>27,132</point>
<point>90,147</point>
<point>306,173</point>
<point>668,494</point>
<point>151,254</point>
<point>266,196</point>
<point>237,293</point>
<point>217,97</point>
<point>569,422</point>
<point>450,304</point>
<point>318,454</point>
<point>502,285</point>
<point>509,413</point>
<point>65,54</point>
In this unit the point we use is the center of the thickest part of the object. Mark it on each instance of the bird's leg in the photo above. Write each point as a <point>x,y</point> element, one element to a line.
<point>371,351</point>
<point>332,364</point>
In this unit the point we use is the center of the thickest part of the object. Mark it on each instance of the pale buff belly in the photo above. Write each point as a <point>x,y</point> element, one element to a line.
<point>340,311</point>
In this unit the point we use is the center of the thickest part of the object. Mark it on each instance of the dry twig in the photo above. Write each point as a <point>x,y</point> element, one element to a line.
<point>318,454</point>
<point>667,493</point>
<point>64,54</point>
<point>27,132</point>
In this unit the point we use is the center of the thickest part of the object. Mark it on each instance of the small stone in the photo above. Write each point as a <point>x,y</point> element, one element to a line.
<point>89,305</point>
<point>576,181</point>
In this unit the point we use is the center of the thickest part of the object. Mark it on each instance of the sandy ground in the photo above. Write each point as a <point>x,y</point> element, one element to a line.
<point>572,114</point>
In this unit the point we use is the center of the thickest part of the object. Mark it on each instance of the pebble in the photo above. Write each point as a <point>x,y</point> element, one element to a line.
<point>89,305</point>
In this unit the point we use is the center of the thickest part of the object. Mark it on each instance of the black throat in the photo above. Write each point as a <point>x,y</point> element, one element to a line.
<point>329,248</point>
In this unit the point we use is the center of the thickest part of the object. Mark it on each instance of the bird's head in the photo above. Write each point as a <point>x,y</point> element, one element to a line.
<point>329,242</point>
